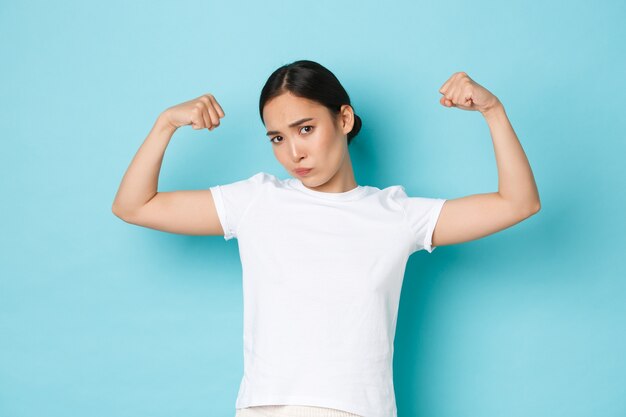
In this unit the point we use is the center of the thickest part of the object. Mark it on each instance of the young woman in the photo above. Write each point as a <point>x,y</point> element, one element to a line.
<point>323,258</point>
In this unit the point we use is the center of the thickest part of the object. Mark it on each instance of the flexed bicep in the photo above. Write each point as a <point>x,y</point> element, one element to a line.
<point>188,212</point>
<point>475,216</point>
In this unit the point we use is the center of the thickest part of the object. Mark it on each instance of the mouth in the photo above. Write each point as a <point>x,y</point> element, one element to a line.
<point>302,171</point>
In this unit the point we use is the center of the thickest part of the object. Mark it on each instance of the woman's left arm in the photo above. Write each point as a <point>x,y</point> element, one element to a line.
<point>478,215</point>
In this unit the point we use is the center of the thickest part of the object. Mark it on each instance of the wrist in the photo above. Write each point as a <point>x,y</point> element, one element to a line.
<point>496,107</point>
<point>163,123</point>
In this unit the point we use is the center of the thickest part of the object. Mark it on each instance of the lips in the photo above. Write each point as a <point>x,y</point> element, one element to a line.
<point>302,171</point>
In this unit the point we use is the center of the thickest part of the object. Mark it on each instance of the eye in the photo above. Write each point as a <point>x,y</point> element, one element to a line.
<point>303,127</point>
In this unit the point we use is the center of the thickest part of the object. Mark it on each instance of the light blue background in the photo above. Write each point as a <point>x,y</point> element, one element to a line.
<point>102,318</point>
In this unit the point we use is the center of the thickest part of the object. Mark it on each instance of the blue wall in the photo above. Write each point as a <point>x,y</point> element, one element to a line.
<point>102,318</point>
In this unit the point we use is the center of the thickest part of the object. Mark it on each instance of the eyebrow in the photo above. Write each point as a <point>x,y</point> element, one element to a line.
<point>296,123</point>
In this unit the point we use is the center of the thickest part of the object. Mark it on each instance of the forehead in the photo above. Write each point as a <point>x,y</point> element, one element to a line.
<point>286,108</point>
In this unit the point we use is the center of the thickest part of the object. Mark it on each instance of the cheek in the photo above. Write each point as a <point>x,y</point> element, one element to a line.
<point>332,144</point>
<point>281,155</point>
<point>327,142</point>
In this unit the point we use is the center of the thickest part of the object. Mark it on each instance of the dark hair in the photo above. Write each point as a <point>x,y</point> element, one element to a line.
<point>310,80</point>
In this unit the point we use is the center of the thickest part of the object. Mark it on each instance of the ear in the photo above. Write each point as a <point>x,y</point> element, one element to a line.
<point>346,114</point>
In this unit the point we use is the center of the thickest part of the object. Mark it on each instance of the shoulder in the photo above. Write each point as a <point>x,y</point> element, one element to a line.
<point>396,196</point>
<point>398,193</point>
<point>260,177</point>
<point>267,178</point>
<point>257,183</point>
<point>391,195</point>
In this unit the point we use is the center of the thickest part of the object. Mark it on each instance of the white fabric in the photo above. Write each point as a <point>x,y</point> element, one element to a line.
<point>322,274</point>
<point>291,411</point>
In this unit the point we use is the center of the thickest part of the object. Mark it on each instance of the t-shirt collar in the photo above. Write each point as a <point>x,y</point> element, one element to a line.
<point>349,195</point>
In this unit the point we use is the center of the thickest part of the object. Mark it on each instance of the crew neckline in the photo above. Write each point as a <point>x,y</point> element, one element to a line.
<point>352,194</point>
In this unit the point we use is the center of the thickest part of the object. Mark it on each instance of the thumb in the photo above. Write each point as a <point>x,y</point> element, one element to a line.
<point>445,102</point>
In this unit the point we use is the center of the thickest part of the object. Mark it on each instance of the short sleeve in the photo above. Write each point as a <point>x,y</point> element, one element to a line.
<point>233,200</point>
<point>421,214</point>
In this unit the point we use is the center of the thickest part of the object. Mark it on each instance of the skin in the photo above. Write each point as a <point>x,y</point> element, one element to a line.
<point>478,215</point>
<point>322,144</point>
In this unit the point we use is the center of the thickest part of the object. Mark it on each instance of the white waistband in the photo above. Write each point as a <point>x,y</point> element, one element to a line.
<point>291,411</point>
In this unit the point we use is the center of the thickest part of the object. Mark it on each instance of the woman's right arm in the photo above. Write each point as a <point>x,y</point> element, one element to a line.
<point>138,200</point>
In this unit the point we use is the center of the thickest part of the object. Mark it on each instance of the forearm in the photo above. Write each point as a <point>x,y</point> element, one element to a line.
<point>516,182</point>
<point>140,182</point>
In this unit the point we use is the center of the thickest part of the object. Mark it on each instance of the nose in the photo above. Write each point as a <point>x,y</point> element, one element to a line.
<point>296,150</point>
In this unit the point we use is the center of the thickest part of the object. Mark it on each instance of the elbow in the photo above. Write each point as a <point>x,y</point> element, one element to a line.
<point>532,209</point>
<point>526,210</point>
<point>115,209</point>
<point>118,212</point>
<point>537,207</point>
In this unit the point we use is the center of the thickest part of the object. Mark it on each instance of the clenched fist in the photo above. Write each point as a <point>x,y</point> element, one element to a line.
<point>203,112</point>
<point>466,94</point>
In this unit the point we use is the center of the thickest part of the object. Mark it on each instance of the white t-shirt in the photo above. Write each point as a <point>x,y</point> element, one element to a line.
<point>322,274</point>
